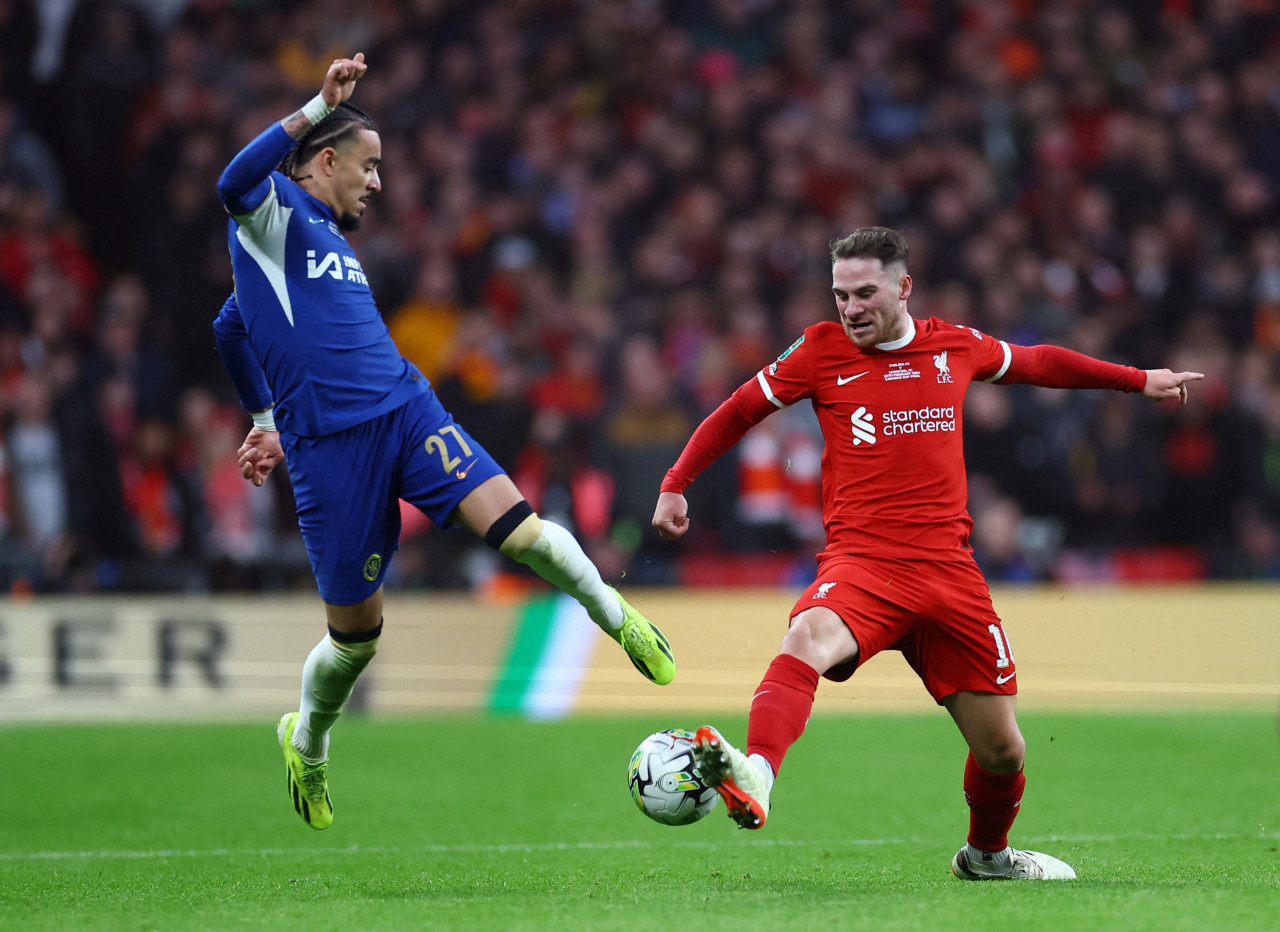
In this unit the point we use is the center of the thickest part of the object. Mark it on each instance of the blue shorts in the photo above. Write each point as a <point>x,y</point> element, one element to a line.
<point>348,485</point>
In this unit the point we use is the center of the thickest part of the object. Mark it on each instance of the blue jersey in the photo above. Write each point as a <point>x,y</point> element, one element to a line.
<point>305,309</point>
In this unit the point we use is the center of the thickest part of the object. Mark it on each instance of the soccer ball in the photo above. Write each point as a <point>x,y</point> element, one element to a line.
<point>663,781</point>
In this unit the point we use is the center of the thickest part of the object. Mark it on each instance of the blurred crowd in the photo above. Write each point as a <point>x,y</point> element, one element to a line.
<point>599,217</point>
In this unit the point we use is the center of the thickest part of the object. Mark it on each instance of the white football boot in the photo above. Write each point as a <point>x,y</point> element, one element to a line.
<point>740,783</point>
<point>1019,865</point>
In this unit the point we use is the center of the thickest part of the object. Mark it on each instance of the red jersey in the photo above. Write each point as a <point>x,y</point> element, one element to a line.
<point>893,475</point>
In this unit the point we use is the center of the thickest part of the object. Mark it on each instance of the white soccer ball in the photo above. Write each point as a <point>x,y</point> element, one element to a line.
<point>663,781</point>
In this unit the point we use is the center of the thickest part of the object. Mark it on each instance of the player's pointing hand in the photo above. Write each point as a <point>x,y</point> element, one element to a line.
<point>1164,383</point>
<point>341,78</point>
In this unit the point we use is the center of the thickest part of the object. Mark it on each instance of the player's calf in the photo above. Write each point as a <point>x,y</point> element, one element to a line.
<point>555,555</point>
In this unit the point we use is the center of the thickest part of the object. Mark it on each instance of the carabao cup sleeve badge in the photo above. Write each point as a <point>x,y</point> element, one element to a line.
<point>773,366</point>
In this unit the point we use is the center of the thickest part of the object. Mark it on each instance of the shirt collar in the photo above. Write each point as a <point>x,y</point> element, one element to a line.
<point>902,340</point>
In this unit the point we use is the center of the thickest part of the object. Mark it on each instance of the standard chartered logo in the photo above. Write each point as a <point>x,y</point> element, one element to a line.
<point>919,420</point>
<point>901,421</point>
<point>864,426</point>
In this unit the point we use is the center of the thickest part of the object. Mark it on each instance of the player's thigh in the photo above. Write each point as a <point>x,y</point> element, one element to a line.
<point>868,597</point>
<point>347,510</point>
<point>961,644</point>
<point>486,504</point>
<point>357,618</point>
<point>820,638</point>
<point>442,465</point>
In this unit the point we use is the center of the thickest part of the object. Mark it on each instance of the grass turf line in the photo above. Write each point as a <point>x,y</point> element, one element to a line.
<point>1172,822</point>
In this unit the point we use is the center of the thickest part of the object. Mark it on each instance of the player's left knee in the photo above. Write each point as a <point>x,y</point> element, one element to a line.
<point>516,531</point>
<point>1003,755</point>
<point>355,649</point>
<point>820,639</point>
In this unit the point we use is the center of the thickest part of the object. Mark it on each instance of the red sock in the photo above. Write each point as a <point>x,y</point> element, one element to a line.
<point>993,800</point>
<point>780,708</point>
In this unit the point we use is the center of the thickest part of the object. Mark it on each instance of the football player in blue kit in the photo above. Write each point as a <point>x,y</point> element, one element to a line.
<point>357,424</point>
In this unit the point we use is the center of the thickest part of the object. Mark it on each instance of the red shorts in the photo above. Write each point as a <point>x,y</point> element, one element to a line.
<point>938,614</point>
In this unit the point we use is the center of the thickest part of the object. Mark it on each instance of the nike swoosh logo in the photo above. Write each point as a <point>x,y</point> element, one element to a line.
<point>1001,680</point>
<point>462,473</point>
<point>315,220</point>
<point>841,380</point>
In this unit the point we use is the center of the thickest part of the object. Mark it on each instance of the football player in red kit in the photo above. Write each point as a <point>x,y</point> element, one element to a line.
<point>897,572</point>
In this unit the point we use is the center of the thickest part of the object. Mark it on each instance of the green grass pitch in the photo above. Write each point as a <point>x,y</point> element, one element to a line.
<point>1171,820</point>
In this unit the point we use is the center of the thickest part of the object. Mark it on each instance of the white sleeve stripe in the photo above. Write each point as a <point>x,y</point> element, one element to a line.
<point>250,218</point>
<point>768,392</point>
<point>1008,358</point>
<point>265,244</point>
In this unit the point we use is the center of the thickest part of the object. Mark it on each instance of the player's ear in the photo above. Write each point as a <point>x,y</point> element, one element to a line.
<point>328,156</point>
<point>904,288</point>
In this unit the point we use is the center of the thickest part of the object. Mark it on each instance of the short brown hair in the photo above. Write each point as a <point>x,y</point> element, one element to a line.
<point>881,243</point>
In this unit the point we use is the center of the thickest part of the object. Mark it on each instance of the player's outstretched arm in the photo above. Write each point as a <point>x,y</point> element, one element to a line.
<point>671,517</point>
<point>1163,384</point>
<point>259,454</point>
<point>1058,367</point>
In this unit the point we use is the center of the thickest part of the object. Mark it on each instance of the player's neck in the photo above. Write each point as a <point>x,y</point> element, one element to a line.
<point>319,192</point>
<point>902,333</point>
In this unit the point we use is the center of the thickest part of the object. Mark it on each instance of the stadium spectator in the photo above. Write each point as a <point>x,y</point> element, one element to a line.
<point>240,530</point>
<point>425,326</point>
<point>107,65</point>
<point>638,438</point>
<point>41,509</point>
<point>26,162</point>
<point>161,497</point>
